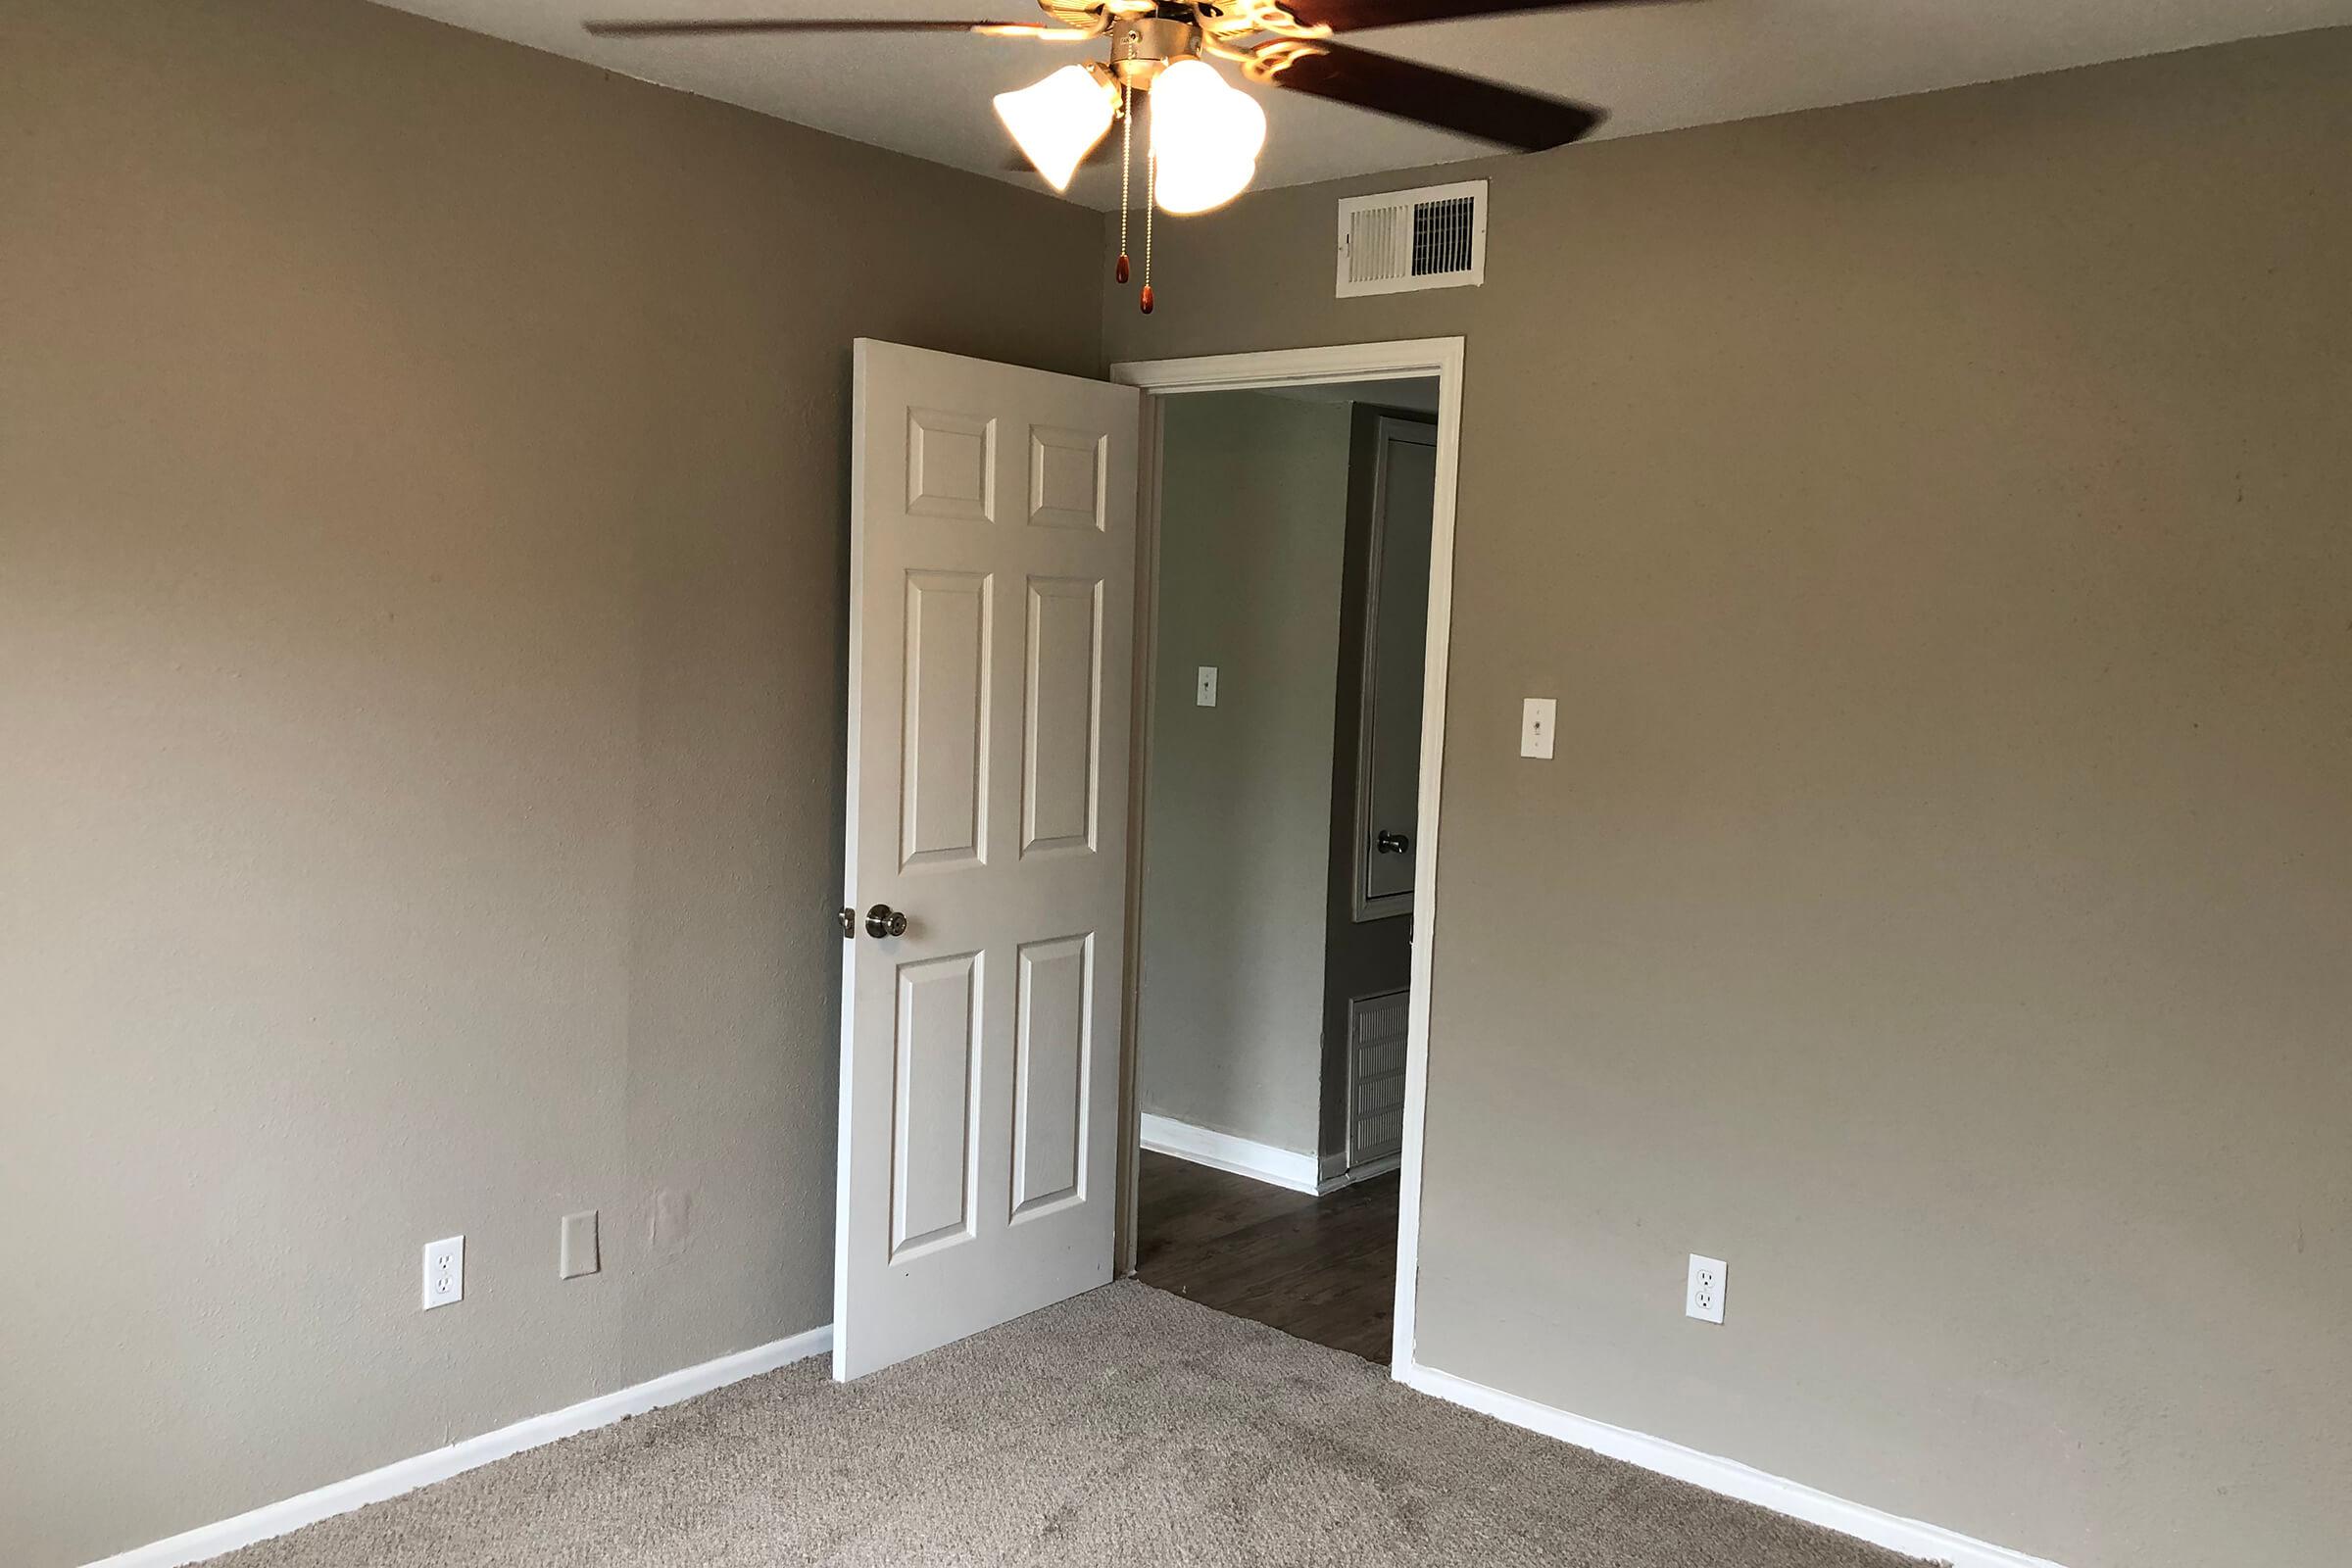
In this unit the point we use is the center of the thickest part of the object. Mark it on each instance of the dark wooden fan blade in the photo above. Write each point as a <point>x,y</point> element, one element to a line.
<point>1446,99</point>
<point>1354,16</point>
<point>745,25</point>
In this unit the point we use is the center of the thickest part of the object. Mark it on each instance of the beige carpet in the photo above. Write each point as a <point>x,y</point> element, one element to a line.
<point>1125,1427</point>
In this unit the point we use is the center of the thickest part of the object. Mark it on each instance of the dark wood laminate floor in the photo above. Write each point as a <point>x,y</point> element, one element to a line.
<point>1320,1268</point>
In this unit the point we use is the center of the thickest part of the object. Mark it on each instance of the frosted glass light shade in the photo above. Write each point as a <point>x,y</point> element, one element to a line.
<point>1195,184</point>
<point>1056,121</point>
<point>1206,136</point>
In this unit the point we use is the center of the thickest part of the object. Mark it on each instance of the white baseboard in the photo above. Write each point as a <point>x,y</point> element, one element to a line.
<point>407,1475</point>
<point>1165,1135</point>
<point>1728,1477</point>
<point>1361,1173</point>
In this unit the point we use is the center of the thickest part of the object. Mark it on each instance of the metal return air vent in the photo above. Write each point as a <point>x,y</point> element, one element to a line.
<point>1434,237</point>
<point>1376,1033</point>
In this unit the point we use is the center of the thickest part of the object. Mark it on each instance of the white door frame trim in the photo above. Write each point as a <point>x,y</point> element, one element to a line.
<point>1406,360</point>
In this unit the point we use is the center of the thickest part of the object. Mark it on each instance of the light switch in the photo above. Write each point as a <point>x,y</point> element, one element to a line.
<point>576,1254</point>
<point>1536,717</point>
<point>1205,695</point>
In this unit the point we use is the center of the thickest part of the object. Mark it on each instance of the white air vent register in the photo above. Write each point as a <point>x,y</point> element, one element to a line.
<point>1434,237</point>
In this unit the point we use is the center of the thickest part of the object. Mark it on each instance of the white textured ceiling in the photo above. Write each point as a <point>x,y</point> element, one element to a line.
<point>1653,67</point>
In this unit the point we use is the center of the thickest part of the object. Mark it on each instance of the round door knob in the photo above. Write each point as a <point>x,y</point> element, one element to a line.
<point>884,921</point>
<point>1389,843</point>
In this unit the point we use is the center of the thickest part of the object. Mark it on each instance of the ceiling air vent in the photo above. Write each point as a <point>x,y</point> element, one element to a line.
<point>1434,237</point>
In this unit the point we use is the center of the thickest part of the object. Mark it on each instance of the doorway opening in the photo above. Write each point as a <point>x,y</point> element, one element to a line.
<point>1001,579</point>
<point>1293,531</point>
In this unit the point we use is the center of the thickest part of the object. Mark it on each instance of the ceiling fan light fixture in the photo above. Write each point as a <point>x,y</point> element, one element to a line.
<point>1056,121</point>
<point>1206,136</point>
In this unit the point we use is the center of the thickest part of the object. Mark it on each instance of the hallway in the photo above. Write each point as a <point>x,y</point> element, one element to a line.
<point>1321,1268</point>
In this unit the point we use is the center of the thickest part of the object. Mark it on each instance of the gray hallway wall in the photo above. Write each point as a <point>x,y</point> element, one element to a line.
<point>1254,522</point>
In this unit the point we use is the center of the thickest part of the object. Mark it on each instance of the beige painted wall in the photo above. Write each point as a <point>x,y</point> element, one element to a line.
<point>1253,528</point>
<point>421,550</point>
<point>1931,517</point>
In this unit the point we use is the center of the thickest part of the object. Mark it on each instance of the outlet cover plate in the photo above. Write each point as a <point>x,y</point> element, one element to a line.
<point>444,1272</point>
<point>1702,1293</point>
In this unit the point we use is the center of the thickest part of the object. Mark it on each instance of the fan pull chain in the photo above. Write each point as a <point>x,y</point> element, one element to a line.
<point>1150,201</point>
<point>1126,166</point>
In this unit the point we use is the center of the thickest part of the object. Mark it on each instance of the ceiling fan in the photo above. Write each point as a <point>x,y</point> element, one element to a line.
<point>1203,136</point>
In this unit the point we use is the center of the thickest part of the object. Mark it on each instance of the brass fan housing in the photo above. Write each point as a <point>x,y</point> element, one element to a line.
<point>1142,47</point>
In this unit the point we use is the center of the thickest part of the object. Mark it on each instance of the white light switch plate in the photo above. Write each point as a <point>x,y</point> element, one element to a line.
<point>575,1252</point>
<point>1205,695</point>
<point>1537,716</point>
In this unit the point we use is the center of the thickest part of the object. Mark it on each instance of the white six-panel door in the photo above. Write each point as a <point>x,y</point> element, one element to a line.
<point>990,649</point>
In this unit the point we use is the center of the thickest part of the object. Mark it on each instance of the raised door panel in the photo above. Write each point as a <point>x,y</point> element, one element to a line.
<point>935,1103</point>
<point>1061,739</point>
<point>1053,1033</point>
<point>1069,478</point>
<point>944,806</point>
<point>950,466</point>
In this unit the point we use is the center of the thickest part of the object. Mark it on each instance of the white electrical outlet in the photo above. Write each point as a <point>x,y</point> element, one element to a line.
<point>444,1272</point>
<point>1702,1295</point>
<point>1205,691</point>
